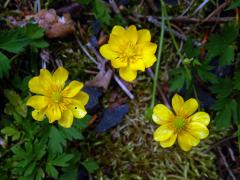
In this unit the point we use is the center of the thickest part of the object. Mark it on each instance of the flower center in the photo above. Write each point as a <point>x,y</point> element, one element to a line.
<point>130,53</point>
<point>56,97</point>
<point>179,123</point>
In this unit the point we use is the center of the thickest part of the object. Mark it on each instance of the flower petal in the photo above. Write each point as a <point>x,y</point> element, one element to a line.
<point>82,97</point>
<point>37,102</point>
<point>149,60</point>
<point>35,86</point>
<point>128,74</point>
<point>60,76</point>
<point>72,89</point>
<point>148,47</point>
<point>78,110</point>
<point>118,63</point>
<point>177,103</point>
<point>137,64</point>
<point>162,133</point>
<point>188,108</point>
<point>131,34</point>
<point>144,35</point>
<point>169,142</point>
<point>161,113</point>
<point>201,117</point>
<point>53,113</point>
<point>66,119</point>
<point>107,52</point>
<point>38,115</point>
<point>198,130</point>
<point>183,141</point>
<point>118,30</point>
<point>116,43</point>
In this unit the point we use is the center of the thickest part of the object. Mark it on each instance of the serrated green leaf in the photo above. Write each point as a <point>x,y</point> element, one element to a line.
<point>227,57</point>
<point>30,168</point>
<point>206,75</point>
<point>62,160</point>
<point>40,174</point>
<point>223,118</point>
<point>190,49</point>
<point>12,132</point>
<point>33,31</point>
<point>234,4</point>
<point>90,165</point>
<point>236,80</point>
<point>51,170</point>
<point>4,65</point>
<point>223,88</point>
<point>72,133</point>
<point>56,141</point>
<point>13,41</point>
<point>101,12</point>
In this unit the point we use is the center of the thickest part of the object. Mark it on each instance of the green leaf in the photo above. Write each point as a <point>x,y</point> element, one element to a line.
<point>223,88</point>
<point>83,1</point>
<point>203,72</point>
<point>12,132</point>
<point>33,31</point>
<point>30,168</point>
<point>40,174</point>
<point>4,65</point>
<point>101,12</point>
<point>56,141</point>
<point>179,79</point>
<point>234,4</point>
<point>227,57</point>
<point>51,170</point>
<point>72,133</point>
<point>190,50</point>
<point>90,165</point>
<point>236,81</point>
<point>13,40</point>
<point>62,160</point>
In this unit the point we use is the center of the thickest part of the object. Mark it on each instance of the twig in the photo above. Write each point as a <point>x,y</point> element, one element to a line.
<point>200,6</point>
<point>153,20</point>
<point>226,164</point>
<point>187,19</point>
<point>216,11</point>
<point>114,6</point>
<point>86,51</point>
<point>124,88</point>
<point>188,8</point>
<point>151,74</point>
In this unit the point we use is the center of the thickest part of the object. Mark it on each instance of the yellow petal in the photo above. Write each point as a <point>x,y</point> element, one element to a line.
<point>82,97</point>
<point>162,133</point>
<point>116,43</point>
<point>128,74</point>
<point>188,108</point>
<point>37,102</point>
<point>38,115</point>
<point>35,86</point>
<point>148,47</point>
<point>72,89</point>
<point>183,141</point>
<point>137,64</point>
<point>198,130</point>
<point>161,113</point>
<point>107,52</point>
<point>78,110</point>
<point>118,63</point>
<point>177,103</point>
<point>66,119</point>
<point>53,113</point>
<point>45,76</point>
<point>60,76</point>
<point>144,35</point>
<point>149,60</point>
<point>118,30</point>
<point>131,34</point>
<point>201,117</point>
<point>169,142</point>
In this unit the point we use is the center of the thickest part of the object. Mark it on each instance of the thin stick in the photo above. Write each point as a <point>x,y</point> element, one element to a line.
<point>158,57</point>
<point>124,88</point>
<point>86,51</point>
<point>200,6</point>
<point>226,164</point>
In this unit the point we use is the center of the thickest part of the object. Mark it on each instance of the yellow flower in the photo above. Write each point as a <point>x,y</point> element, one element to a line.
<point>129,50</point>
<point>57,102</point>
<point>185,126</point>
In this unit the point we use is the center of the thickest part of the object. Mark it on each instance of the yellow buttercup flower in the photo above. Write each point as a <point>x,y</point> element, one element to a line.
<point>57,102</point>
<point>129,50</point>
<point>185,126</point>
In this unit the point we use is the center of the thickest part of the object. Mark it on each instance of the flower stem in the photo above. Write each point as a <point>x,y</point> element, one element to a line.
<point>159,56</point>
